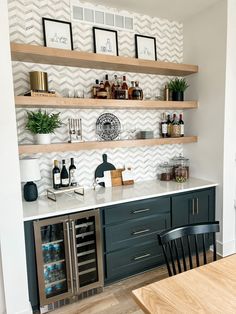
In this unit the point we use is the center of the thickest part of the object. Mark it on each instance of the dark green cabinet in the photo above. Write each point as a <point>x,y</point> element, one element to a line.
<point>193,207</point>
<point>130,229</point>
<point>130,236</point>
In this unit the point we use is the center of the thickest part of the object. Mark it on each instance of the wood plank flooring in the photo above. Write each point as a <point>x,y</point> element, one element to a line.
<point>117,298</point>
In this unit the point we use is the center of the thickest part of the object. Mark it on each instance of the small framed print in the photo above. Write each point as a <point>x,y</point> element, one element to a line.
<point>57,34</point>
<point>145,47</point>
<point>105,41</point>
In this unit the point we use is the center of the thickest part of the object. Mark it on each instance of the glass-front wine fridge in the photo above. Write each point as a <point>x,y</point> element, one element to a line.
<point>69,256</point>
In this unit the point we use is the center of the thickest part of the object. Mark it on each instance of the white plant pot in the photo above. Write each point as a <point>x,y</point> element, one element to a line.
<point>43,138</point>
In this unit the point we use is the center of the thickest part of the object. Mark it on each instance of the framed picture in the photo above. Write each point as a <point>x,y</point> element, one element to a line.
<point>57,34</point>
<point>105,41</point>
<point>145,47</point>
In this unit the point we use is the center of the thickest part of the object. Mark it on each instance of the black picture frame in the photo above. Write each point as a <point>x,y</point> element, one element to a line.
<point>105,45</point>
<point>65,42</point>
<point>147,52</point>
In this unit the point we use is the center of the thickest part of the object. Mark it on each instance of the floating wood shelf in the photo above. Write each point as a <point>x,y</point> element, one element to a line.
<point>86,103</point>
<point>65,147</point>
<point>72,58</point>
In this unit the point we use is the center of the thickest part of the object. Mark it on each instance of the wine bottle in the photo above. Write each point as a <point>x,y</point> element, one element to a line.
<point>169,125</point>
<point>175,128</point>
<point>56,176</point>
<point>72,170</point>
<point>181,122</point>
<point>164,131</point>
<point>64,175</point>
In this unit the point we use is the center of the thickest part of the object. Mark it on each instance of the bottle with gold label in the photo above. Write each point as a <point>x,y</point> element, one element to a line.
<point>175,128</point>
<point>102,93</point>
<point>95,89</point>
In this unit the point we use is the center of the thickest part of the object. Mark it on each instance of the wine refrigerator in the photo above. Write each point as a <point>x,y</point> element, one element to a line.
<point>69,258</point>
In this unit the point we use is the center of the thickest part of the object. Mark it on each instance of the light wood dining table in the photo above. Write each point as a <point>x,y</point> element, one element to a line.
<point>206,289</point>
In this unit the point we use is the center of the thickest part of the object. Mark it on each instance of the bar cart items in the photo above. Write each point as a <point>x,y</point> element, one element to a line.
<point>75,130</point>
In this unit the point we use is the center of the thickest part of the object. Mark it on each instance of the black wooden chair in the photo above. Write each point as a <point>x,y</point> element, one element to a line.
<point>186,241</point>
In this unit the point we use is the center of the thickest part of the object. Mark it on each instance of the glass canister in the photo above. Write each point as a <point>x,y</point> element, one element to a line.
<point>180,162</point>
<point>165,172</point>
<point>181,174</point>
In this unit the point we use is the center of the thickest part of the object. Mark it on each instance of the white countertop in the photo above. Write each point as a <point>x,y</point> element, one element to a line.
<point>67,204</point>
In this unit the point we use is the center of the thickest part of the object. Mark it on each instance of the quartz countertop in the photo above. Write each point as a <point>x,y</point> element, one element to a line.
<point>71,203</point>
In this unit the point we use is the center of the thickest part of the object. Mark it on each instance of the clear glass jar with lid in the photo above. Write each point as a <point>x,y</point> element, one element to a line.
<point>180,161</point>
<point>165,172</point>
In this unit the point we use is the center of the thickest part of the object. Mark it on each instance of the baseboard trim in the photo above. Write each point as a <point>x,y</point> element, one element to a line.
<point>226,248</point>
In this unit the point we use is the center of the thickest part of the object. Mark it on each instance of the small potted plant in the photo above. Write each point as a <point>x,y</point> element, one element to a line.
<point>42,124</point>
<point>177,88</point>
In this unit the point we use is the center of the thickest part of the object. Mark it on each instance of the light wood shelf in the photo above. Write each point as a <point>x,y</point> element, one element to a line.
<point>53,56</point>
<point>65,147</point>
<point>87,103</point>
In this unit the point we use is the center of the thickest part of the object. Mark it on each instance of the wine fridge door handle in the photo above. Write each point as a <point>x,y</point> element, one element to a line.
<point>75,256</point>
<point>70,258</point>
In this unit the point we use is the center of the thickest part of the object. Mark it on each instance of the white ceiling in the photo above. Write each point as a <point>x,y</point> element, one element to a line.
<point>178,10</point>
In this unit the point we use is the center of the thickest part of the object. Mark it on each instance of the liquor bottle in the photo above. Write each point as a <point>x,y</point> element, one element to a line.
<point>56,176</point>
<point>114,87</point>
<point>124,87</point>
<point>169,125</point>
<point>181,122</point>
<point>164,131</point>
<point>107,86</point>
<point>130,90</point>
<point>137,92</point>
<point>102,93</point>
<point>175,128</point>
<point>95,89</point>
<point>72,170</point>
<point>64,175</point>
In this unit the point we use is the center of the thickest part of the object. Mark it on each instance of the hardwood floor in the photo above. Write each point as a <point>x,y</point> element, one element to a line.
<point>116,298</point>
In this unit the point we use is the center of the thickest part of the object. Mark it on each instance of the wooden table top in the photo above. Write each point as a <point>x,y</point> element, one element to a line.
<point>207,289</point>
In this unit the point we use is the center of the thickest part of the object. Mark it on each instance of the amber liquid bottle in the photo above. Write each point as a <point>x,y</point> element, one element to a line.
<point>107,86</point>
<point>102,93</point>
<point>125,88</point>
<point>137,92</point>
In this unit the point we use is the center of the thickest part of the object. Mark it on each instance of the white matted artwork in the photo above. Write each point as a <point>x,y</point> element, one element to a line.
<point>105,41</point>
<point>145,47</point>
<point>57,34</point>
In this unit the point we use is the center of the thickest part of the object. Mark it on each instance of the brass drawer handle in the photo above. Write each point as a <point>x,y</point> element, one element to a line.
<point>142,256</point>
<point>140,231</point>
<point>140,211</point>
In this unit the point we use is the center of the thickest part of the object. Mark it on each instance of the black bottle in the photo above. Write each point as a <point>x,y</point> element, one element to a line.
<point>64,175</point>
<point>72,170</point>
<point>56,178</point>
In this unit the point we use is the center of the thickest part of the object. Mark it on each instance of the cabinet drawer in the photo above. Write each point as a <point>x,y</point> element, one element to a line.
<point>135,231</point>
<point>130,261</point>
<point>136,209</point>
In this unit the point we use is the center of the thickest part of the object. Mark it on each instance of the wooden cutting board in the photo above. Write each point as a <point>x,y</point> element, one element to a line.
<point>104,166</point>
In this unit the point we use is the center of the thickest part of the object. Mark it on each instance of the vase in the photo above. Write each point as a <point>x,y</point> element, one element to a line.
<point>42,139</point>
<point>178,96</point>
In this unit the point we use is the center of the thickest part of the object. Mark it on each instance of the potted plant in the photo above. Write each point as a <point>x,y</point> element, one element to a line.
<point>42,124</point>
<point>177,88</point>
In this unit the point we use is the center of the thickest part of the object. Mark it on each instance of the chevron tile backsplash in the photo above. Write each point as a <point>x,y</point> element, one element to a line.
<point>25,18</point>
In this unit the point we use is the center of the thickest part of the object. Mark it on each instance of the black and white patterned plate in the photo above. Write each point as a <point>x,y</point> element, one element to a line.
<point>108,126</point>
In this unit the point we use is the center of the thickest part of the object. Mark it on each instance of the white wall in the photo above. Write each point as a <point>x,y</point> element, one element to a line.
<point>11,226</point>
<point>205,45</point>
<point>2,297</point>
<point>230,134</point>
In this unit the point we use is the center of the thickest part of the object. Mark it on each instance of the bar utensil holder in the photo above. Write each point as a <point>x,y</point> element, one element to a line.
<point>75,130</point>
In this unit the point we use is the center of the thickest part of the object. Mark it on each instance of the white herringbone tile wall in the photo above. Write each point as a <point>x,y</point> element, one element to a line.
<point>25,18</point>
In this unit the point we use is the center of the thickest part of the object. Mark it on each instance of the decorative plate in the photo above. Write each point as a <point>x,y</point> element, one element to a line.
<point>108,126</point>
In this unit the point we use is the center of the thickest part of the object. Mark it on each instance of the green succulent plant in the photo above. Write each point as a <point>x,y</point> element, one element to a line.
<point>42,122</point>
<point>178,85</point>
